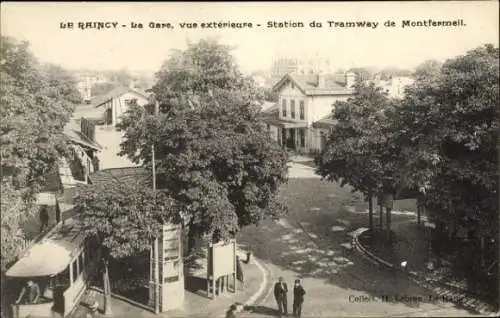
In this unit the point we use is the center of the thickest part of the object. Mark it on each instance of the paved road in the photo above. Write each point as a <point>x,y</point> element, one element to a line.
<point>338,283</point>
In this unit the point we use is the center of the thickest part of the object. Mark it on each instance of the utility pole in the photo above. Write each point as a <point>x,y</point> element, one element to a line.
<point>156,241</point>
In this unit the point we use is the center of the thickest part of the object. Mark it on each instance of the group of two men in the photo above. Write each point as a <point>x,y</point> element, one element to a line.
<point>280,294</point>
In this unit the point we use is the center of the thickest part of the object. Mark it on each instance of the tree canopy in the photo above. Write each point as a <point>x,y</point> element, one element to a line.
<point>450,139</point>
<point>427,69</point>
<point>37,102</point>
<point>440,139</point>
<point>124,216</point>
<point>213,154</point>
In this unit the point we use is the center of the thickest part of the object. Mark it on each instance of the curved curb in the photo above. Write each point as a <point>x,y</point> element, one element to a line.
<point>262,286</point>
<point>416,277</point>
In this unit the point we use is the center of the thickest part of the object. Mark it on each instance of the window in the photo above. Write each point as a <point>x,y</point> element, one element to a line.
<point>293,86</point>
<point>80,262</point>
<point>130,101</point>
<point>74,268</point>
<point>292,108</point>
<point>302,136</point>
<point>302,110</point>
<point>62,279</point>
<point>284,108</point>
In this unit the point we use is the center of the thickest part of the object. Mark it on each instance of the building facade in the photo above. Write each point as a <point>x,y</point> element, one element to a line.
<point>118,101</point>
<point>302,115</point>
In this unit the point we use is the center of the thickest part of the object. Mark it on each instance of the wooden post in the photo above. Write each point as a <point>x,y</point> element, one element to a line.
<point>388,222</point>
<point>419,209</point>
<point>235,285</point>
<point>482,248</point>
<point>157,277</point>
<point>213,287</point>
<point>370,212</point>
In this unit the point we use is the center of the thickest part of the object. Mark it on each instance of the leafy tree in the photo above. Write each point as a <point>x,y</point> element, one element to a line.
<point>35,108</point>
<point>362,72</point>
<point>16,206</point>
<point>389,72</point>
<point>103,88</point>
<point>427,69</point>
<point>124,216</point>
<point>63,84</point>
<point>356,153</point>
<point>451,125</point>
<point>450,140</point>
<point>213,154</point>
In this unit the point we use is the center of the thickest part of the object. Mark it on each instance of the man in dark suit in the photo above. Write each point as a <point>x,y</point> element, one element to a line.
<point>298,298</point>
<point>280,294</point>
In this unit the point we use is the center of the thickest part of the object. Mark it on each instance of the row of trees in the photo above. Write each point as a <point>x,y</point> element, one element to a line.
<point>37,101</point>
<point>440,141</point>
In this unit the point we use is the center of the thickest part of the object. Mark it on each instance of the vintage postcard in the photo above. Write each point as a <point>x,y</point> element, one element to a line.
<point>249,159</point>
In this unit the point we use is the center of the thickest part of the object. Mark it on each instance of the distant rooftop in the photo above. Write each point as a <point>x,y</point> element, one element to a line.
<point>99,100</point>
<point>310,84</point>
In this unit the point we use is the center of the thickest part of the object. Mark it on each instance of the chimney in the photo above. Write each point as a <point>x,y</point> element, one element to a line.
<point>321,81</point>
<point>350,79</point>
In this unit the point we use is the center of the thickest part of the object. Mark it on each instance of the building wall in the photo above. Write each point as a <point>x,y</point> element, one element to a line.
<point>315,141</point>
<point>321,106</point>
<point>120,104</point>
<point>291,92</point>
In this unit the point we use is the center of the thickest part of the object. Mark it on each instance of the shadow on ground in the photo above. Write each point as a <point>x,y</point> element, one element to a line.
<point>262,310</point>
<point>328,213</point>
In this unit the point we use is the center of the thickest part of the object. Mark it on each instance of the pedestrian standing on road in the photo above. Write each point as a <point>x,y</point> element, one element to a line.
<point>280,294</point>
<point>44,218</point>
<point>298,298</point>
<point>239,272</point>
<point>231,313</point>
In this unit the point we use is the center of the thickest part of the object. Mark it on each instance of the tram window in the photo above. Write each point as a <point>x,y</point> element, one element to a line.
<point>80,263</point>
<point>75,271</point>
<point>63,278</point>
<point>86,257</point>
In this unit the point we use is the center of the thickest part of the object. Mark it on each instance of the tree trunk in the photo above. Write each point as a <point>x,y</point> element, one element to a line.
<point>388,222</point>
<point>107,289</point>
<point>370,212</point>
<point>381,211</point>
<point>482,251</point>
<point>191,241</point>
<point>419,209</point>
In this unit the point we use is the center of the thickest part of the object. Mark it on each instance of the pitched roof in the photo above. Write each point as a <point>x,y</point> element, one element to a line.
<point>101,99</point>
<point>72,131</point>
<point>309,84</point>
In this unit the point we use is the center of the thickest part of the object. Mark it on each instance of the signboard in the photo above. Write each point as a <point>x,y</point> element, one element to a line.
<point>222,259</point>
<point>171,268</point>
<point>221,267</point>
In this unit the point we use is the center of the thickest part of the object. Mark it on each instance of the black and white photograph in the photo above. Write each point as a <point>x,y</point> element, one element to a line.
<point>249,159</point>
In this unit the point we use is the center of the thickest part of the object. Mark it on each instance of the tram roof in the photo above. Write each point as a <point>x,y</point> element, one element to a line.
<point>52,254</point>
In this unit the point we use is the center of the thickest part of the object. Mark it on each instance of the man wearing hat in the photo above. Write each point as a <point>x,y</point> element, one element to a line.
<point>298,298</point>
<point>280,294</point>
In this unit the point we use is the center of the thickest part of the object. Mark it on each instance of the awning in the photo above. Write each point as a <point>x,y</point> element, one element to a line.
<point>285,123</point>
<point>43,259</point>
<point>51,255</point>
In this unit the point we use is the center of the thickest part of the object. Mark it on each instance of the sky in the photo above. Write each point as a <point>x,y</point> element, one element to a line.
<point>255,48</point>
